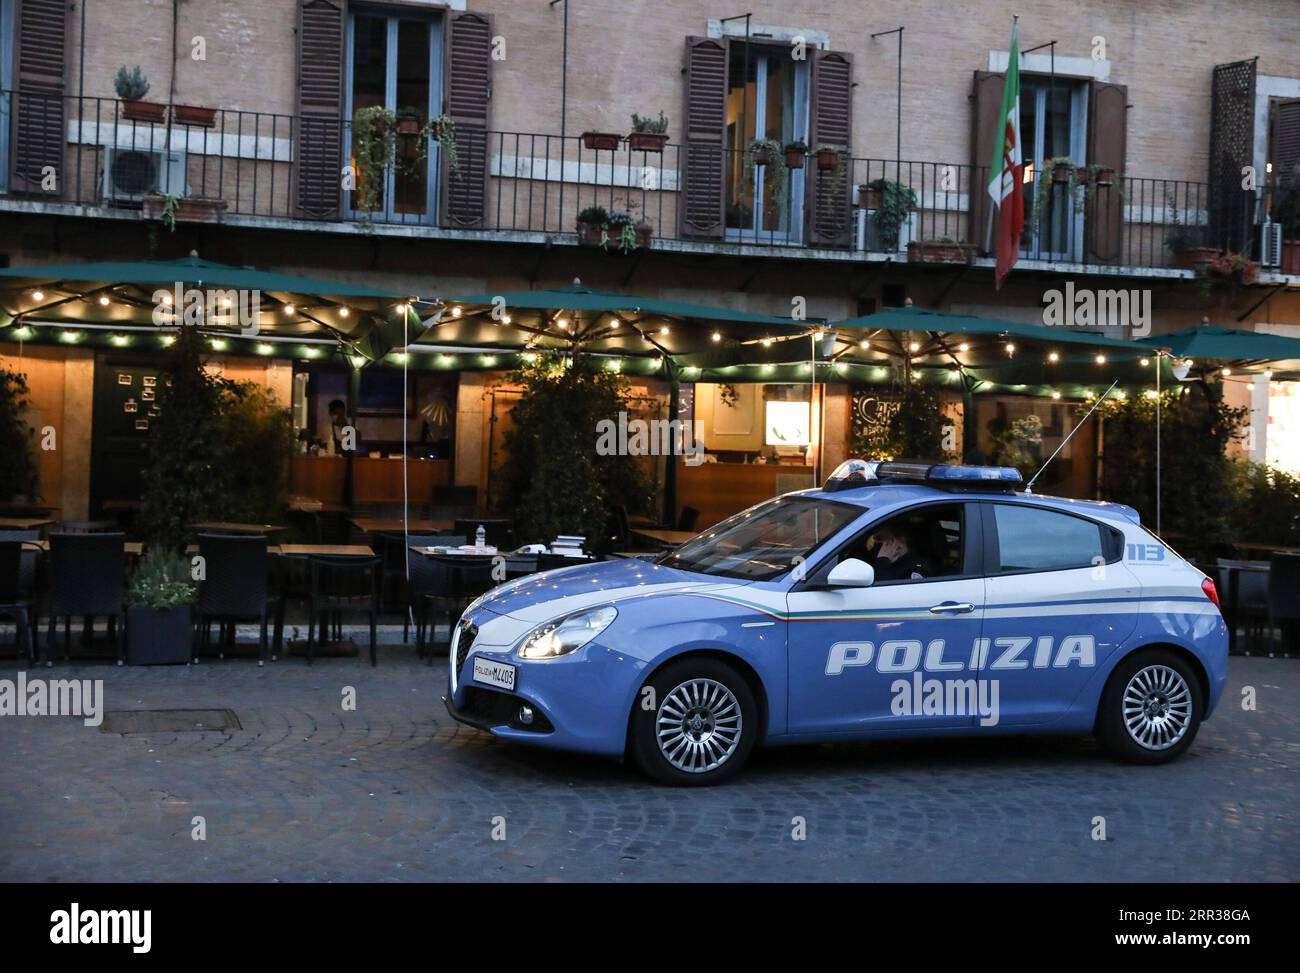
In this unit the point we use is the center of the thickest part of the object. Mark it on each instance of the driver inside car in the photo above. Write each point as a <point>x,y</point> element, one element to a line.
<point>895,559</point>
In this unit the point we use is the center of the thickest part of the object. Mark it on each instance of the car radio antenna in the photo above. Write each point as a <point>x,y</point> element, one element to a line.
<point>1029,487</point>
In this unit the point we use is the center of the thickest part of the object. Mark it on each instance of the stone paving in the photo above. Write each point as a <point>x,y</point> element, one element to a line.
<point>396,790</point>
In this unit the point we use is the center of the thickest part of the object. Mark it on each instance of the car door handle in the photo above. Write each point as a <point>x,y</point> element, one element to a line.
<point>953,607</point>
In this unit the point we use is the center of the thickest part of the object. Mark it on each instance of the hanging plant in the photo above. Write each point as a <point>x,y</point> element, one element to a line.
<point>770,155</point>
<point>896,204</point>
<point>374,150</point>
<point>620,230</point>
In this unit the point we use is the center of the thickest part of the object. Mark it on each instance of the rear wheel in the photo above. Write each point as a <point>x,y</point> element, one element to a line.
<point>1151,708</point>
<point>697,726</point>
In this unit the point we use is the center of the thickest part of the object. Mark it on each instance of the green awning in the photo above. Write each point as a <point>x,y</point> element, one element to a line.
<point>124,295</point>
<point>601,322</point>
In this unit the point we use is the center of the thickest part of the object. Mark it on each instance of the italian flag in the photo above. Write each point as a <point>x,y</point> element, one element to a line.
<point>1006,175</point>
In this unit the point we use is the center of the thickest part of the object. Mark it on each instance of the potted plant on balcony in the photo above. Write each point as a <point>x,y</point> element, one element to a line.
<point>1233,267</point>
<point>592,226</point>
<point>409,122</point>
<point>621,231</point>
<point>602,140</point>
<point>160,598</point>
<point>131,87</point>
<point>896,204</point>
<point>828,157</point>
<point>1186,243</point>
<point>944,250</point>
<point>769,154</point>
<point>193,115</point>
<point>374,150</point>
<point>795,151</point>
<point>648,134</point>
<point>764,152</point>
<point>170,208</point>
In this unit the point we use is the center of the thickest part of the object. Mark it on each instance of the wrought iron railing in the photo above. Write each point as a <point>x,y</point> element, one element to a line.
<point>253,164</point>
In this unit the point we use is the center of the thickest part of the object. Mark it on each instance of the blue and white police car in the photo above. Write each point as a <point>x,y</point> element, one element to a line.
<point>899,600</point>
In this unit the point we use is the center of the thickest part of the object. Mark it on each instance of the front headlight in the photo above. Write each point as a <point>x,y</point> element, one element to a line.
<point>567,634</point>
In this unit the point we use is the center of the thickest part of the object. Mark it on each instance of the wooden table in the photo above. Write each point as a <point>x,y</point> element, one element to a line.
<point>669,538</point>
<point>324,550</point>
<point>306,505</point>
<point>394,525</point>
<point>24,523</point>
<point>132,548</point>
<point>226,527</point>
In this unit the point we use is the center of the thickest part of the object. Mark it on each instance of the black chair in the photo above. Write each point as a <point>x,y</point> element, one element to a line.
<point>291,577</point>
<point>235,586</point>
<point>87,527</point>
<point>27,564</point>
<point>1284,600</point>
<point>87,575</point>
<point>497,531</point>
<point>549,562</point>
<point>401,563</point>
<point>688,518</point>
<point>14,603</point>
<point>453,580</point>
<point>343,584</point>
<point>1252,595</point>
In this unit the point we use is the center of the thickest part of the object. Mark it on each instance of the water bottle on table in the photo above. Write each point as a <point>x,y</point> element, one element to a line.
<point>480,538</point>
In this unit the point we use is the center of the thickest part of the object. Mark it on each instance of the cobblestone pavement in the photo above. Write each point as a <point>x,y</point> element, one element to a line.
<point>398,791</point>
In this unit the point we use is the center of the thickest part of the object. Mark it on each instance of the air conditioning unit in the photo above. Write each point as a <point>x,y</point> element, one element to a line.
<point>132,174</point>
<point>1270,244</point>
<point>869,239</point>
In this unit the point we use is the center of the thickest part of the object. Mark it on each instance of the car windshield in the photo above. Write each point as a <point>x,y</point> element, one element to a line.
<point>765,541</point>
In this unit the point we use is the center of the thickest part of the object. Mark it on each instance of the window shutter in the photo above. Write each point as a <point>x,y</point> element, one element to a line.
<point>468,87</point>
<point>1285,139</point>
<point>38,127</point>
<point>1232,145</point>
<point>318,149</point>
<point>703,169</point>
<point>829,193</point>
<point>986,107</point>
<point>1107,142</point>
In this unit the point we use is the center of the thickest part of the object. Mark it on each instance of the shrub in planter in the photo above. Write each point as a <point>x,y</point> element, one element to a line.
<point>1233,267</point>
<point>592,223</point>
<point>18,470</point>
<point>648,134</point>
<point>171,208</point>
<point>131,87</point>
<point>160,597</point>
<point>895,204</point>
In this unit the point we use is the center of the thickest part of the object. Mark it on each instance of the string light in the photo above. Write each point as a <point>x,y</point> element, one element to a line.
<point>456,311</point>
<point>1151,394</point>
<point>120,340</point>
<point>168,340</point>
<point>914,346</point>
<point>225,302</point>
<point>864,343</point>
<point>219,344</point>
<point>288,309</point>
<point>664,329</point>
<point>1011,348</point>
<point>38,295</point>
<point>103,300</point>
<point>1226,371</point>
<point>23,332</point>
<point>767,342</point>
<point>562,324</point>
<point>1145,362</point>
<point>1268,373</point>
<point>264,349</point>
<point>963,347</point>
<point>505,319</point>
<point>1053,357</point>
<point>311,352</point>
<point>1250,386</point>
<point>402,308</point>
<point>1055,394</point>
<point>71,337</point>
<point>167,300</point>
<point>344,312</point>
<point>717,336</point>
<point>1101,359</point>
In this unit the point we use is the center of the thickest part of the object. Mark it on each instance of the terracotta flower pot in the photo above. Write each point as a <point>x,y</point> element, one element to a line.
<point>189,209</point>
<point>1061,173</point>
<point>1105,177</point>
<point>1195,258</point>
<point>827,159</point>
<point>869,198</point>
<point>601,140</point>
<point>191,115</point>
<point>589,234</point>
<point>647,141</point>
<point>793,159</point>
<point>762,156</point>
<point>940,252</point>
<point>144,111</point>
<point>408,126</point>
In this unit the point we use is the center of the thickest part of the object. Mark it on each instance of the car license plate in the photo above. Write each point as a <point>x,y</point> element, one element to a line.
<point>492,673</point>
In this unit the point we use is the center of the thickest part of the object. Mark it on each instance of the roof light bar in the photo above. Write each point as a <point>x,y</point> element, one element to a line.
<point>859,473</point>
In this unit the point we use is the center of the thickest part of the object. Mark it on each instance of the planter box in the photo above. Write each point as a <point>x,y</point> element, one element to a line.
<point>189,115</point>
<point>190,209</point>
<point>647,141</point>
<point>144,111</point>
<point>827,159</point>
<point>1195,258</point>
<point>940,252</point>
<point>601,140</point>
<point>1290,257</point>
<point>158,636</point>
<point>762,157</point>
<point>794,160</point>
<point>589,234</point>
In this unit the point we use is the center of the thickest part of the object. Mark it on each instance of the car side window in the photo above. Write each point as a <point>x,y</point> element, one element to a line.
<point>1034,539</point>
<point>922,544</point>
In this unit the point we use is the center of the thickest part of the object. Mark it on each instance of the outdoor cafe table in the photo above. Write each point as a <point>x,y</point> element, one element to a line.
<point>668,538</point>
<point>395,525</point>
<point>24,523</point>
<point>323,550</point>
<point>228,527</point>
<point>131,548</point>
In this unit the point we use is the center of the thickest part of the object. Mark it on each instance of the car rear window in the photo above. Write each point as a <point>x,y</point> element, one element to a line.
<point>1034,539</point>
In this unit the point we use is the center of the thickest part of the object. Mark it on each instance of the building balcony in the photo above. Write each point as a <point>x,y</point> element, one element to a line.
<point>90,157</point>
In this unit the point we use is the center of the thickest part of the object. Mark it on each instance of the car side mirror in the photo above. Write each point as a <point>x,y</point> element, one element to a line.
<point>852,573</point>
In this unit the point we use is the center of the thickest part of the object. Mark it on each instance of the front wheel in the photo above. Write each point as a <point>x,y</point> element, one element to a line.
<point>1151,708</point>
<point>694,723</point>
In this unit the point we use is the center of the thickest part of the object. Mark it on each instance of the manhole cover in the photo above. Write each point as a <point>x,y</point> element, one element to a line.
<point>170,721</point>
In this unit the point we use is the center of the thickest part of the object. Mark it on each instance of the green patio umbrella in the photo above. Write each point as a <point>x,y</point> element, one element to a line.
<point>603,323</point>
<point>1212,348</point>
<point>223,300</point>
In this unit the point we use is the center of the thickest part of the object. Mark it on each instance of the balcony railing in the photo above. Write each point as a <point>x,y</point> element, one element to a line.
<point>254,164</point>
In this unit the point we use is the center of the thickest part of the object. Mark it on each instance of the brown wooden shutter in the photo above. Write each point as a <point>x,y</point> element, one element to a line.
<point>468,86</point>
<point>986,129</point>
<point>1284,148</point>
<point>38,128</point>
<point>829,193</point>
<point>1107,143</point>
<point>318,149</point>
<point>701,214</point>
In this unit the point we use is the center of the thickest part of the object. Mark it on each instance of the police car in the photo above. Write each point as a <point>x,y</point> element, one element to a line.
<point>899,600</point>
